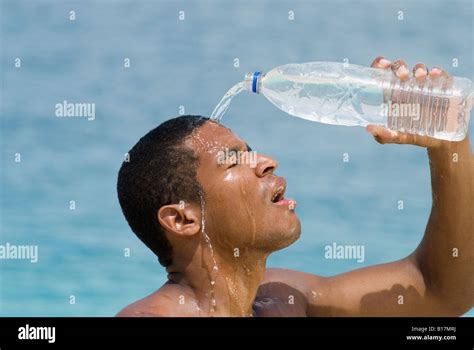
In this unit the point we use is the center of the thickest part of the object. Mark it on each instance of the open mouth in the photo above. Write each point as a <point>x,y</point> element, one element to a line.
<point>278,197</point>
<point>279,189</point>
<point>279,194</point>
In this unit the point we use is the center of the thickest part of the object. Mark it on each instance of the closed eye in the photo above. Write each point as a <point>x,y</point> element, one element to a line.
<point>232,162</point>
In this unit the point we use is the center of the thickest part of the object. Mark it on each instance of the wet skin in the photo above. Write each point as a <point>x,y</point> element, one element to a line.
<point>236,190</point>
<point>240,214</point>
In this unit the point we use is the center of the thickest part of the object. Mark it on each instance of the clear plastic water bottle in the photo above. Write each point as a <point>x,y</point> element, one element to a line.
<point>346,94</point>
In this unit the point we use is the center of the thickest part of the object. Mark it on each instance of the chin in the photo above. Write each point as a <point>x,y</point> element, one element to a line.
<point>295,232</point>
<point>288,235</point>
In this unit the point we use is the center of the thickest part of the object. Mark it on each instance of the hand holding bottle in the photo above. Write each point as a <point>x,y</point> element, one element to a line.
<point>420,72</point>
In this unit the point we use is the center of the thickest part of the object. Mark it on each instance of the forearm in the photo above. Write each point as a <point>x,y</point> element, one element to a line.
<point>446,254</point>
<point>437,279</point>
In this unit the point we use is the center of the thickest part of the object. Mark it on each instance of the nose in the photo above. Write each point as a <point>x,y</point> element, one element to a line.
<point>265,165</point>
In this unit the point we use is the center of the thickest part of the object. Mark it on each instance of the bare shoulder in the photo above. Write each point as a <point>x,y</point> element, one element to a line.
<point>152,305</point>
<point>284,292</point>
<point>296,279</point>
<point>168,301</point>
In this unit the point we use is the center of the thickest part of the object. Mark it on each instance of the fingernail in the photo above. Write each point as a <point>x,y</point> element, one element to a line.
<point>402,70</point>
<point>385,63</point>
<point>420,72</point>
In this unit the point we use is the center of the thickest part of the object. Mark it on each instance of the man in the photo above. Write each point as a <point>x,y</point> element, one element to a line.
<point>213,221</point>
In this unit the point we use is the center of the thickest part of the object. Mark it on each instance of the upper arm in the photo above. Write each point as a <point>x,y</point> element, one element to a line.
<point>392,289</point>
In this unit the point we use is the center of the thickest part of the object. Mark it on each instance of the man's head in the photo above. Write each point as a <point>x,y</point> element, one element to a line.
<point>179,168</point>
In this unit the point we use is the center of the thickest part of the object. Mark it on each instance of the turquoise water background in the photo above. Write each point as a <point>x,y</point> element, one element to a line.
<point>190,63</point>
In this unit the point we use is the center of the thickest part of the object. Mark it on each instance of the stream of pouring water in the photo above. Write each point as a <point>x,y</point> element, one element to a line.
<point>223,105</point>
<point>215,269</point>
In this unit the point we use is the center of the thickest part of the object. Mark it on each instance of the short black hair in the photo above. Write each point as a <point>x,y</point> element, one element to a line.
<point>160,170</point>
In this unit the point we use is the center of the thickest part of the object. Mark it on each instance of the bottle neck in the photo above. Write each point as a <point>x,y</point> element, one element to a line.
<point>253,82</point>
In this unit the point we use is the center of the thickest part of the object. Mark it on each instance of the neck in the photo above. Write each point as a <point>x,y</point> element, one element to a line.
<point>236,281</point>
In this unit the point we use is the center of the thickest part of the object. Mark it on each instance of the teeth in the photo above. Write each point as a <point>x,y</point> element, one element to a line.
<point>278,192</point>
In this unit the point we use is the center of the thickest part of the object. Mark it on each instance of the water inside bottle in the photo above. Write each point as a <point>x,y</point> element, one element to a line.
<point>431,108</point>
<point>437,114</point>
<point>224,103</point>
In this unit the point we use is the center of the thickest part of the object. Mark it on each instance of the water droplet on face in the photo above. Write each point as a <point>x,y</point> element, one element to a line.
<point>229,177</point>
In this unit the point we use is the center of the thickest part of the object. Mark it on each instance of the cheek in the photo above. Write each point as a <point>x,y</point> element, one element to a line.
<point>229,177</point>
<point>236,209</point>
<point>251,199</point>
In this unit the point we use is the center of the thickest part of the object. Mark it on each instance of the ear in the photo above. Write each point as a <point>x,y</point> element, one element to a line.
<point>179,219</point>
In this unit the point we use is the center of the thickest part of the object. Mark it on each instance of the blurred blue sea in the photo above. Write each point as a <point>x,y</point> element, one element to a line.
<point>190,63</point>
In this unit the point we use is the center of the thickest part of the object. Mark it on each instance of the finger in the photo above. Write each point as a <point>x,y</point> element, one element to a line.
<point>384,135</point>
<point>399,67</point>
<point>437,72</point>
<point>420,72</point>
<point>381,135</point>
<point>418,140</point>
<point>404,138</point>
<point>381,62</point>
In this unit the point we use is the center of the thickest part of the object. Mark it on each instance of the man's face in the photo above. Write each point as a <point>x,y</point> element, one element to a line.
<point>245,206</point>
